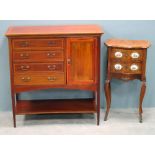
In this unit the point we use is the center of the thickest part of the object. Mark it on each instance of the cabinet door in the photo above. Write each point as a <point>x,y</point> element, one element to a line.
<point>81,56</point>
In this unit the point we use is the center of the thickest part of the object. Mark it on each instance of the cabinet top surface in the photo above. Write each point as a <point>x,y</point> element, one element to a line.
<point>53,30</point>
<point>120,43</point>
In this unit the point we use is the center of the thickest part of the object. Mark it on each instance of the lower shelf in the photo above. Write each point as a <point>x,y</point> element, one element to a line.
<point>55,106</point>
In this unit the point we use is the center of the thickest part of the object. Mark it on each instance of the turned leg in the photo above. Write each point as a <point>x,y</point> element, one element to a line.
<point>142,93</point>
<point>107,89</point>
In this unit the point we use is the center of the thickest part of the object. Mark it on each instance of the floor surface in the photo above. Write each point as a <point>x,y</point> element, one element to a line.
<point>120,122</point>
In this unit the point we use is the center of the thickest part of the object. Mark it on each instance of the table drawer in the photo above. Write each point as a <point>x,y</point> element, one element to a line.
<point>130,68</point>
<point>38,56</point>
<point>127,54</point>
<point>40,78</point>
<point>33,67</point>
<point>38,43</point>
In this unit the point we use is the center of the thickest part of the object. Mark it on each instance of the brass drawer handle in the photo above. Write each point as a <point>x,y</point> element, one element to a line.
<point>24,44</point>
<point>24,55</point>
<point>51,78</point>
<point>51,43</point>
<point>24,68</point>
<point>51,67</point>
<point>26,79</point>
<point>51,54</point>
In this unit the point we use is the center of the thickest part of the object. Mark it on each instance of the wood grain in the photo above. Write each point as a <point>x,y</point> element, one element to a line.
<point>38,56</point>
<point>38,67</point>
<point>126,54</point>
<point>44,57</point>
<point>81,54</point>
<point>54,30</point>
<point>35,44</point>
<point>41,78</point>
<point>55,106</point>
<point>126,48</point>
<point>121,43</point>
<point>126,67</point>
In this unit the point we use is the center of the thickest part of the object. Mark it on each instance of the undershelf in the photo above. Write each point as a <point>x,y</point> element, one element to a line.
<point>55,106</point>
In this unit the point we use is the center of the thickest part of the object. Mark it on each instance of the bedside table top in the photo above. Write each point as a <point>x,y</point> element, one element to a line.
<point>121,43</point>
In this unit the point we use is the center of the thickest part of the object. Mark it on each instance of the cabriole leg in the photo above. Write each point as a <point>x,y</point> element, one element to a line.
<point>142,94</point>
<point>107,89</point>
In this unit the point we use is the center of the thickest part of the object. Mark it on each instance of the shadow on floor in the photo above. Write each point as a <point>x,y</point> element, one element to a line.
<point>58,119</point>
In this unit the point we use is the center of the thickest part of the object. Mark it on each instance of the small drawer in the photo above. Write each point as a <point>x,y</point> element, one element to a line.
<point>127,68</point>
<point>38,56</point>
<point>39,79</point>
<point>126,54</point>
<point>34,67</point>
<point>34,44</point>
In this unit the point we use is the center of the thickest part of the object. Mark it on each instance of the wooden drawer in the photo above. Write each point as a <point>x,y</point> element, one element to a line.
<point>38,56</point>
<point>126,54</point>
<point>33,67</point>
<point>34,44</point>
<point>40,78</point>
<point>130,68</point>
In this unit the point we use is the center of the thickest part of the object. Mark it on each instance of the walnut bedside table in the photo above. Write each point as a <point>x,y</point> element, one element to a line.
<point>126,61</point>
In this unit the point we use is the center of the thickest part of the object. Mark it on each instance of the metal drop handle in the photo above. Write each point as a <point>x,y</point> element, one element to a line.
<point>51,78</point>
<point>25,68</point>
<point>50,54</point>
<point>51,43</point>
<point>24,55</point>
<point>26,79</point>
<point>24,44</point>
<point>51,67</point>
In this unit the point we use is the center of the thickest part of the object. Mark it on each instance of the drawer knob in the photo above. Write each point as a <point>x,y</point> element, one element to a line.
<point>26,79</point>
<point>51,78</point>
<point>51,54</point>
<point>118,66</point>
<point>24,44</point>
<point>134,67</point>
<point>118,54</point>
<point>25,68</point>
<point>24,55</point>
<point>135,55</point>
<point>51,67</point>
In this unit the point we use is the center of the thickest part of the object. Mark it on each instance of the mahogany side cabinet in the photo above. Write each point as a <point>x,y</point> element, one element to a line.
<point>126,61</point>
<point>44,57</point>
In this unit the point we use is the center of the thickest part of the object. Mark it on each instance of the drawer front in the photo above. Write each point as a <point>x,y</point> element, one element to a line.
<point>38,56</point>
<point>128,68</point>
<point>41,78</point>
<point>127,54</point>
<point>37,43</point>
<point>33,67</point>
